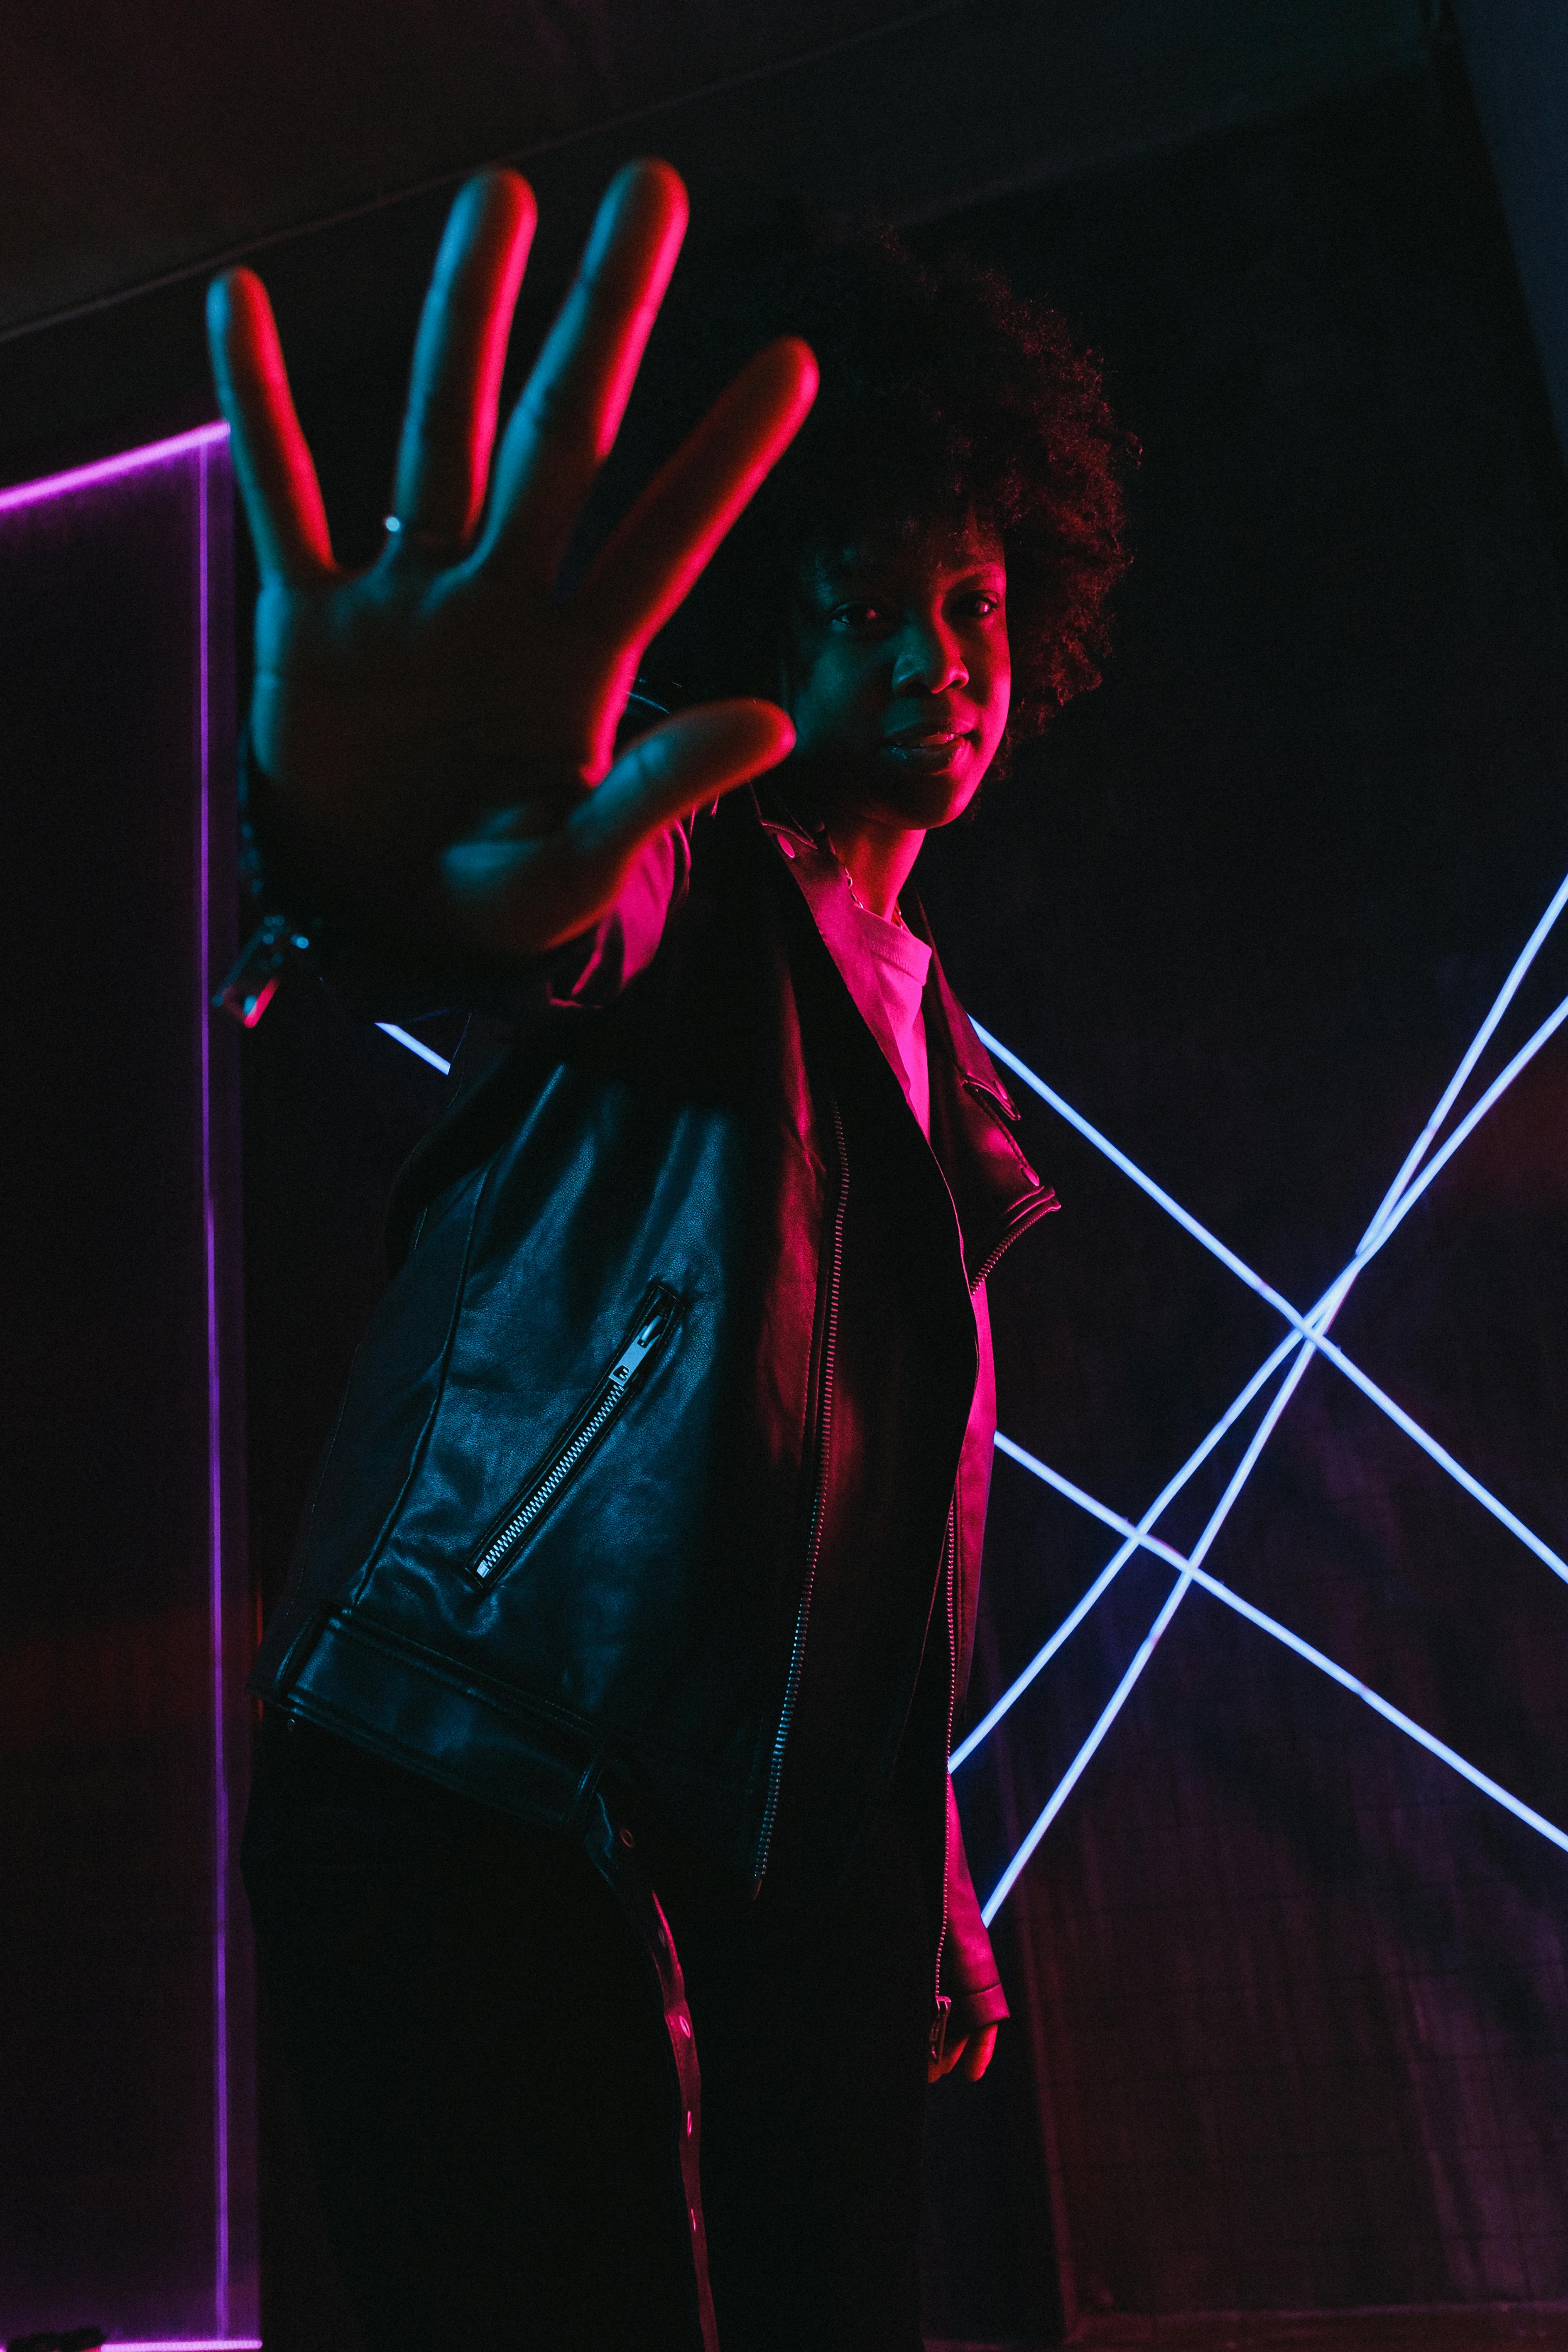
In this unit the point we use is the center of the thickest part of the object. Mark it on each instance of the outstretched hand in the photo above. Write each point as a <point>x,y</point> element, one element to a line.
<point>439,728</point>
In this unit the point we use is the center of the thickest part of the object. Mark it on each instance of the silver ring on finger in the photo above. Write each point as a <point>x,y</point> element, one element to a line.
<point>433,542</point>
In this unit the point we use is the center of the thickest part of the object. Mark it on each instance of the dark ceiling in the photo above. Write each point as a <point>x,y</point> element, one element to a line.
<point>146,141</point>
<point>138,151</point>
<point>141,143</point>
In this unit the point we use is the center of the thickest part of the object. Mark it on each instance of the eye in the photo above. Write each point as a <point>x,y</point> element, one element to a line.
<point>857,617</point>
<point>980,604</point>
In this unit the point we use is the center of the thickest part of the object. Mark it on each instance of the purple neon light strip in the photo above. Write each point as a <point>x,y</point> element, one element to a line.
<point>110,470</point>
<point>183,2344</point>
<point>214,1425</point>
<point>198,443</point>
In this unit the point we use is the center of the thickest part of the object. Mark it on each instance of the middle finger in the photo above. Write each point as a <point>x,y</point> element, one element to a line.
<point>570,409</point>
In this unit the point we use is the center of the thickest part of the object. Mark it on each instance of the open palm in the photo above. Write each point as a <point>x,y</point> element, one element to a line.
<point>435,732</point>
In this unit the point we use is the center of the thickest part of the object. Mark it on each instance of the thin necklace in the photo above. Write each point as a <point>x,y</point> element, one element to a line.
<point>896,919</point>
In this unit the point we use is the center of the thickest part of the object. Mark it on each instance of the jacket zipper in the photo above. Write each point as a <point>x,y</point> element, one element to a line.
<point>942,2003</point>
<point>814,1540</point>
<point>655,1322</point>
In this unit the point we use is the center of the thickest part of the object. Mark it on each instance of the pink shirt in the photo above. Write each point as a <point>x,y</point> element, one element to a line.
<point>889,987</point>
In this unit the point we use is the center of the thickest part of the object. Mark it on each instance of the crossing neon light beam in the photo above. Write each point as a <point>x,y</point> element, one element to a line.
<point>1312,1327</point>
<point>1193,1572</point>
<point>1400,1196</point>
<point>1478,1045</point>
<point>1396,1202</point>
<point>401,1037</point>
<point>1069,1779</point>
<point>1135,1536</point>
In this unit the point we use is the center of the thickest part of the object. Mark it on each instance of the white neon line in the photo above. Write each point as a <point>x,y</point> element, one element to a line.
<point>182,2344</point>
<point>1477,1046</point>
<point>1042,1657</point>
<point>1381,1231</point>
<point>1312,1327</point>
<point>1139,1536</point>
<point>1444,1459</point>
<point>1172,1208</point>
<point>1192,1573</point>
<point>1395,1204</point>
<point>1189,1568</point>
<point>1087,1502</point>
<point>1248,1462</point>
<point>1113,1567</point>
<point>1413,1730</point>
<point>1068,1781</point>
<point>390,1029</point>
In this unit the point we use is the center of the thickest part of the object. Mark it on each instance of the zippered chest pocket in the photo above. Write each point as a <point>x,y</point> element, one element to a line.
<point>655,1319</point>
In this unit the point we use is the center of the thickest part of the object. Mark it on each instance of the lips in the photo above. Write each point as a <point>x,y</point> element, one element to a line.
<point>929,744</point>
<point>923,732</point>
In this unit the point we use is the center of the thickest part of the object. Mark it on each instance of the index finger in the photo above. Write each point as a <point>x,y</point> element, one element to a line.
<point>655,554</point>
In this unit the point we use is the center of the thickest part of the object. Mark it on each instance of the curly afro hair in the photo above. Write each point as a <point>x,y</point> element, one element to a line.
<point>943,394</point>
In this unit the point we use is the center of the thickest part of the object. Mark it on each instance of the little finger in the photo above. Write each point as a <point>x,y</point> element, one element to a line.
<point>271,461</point>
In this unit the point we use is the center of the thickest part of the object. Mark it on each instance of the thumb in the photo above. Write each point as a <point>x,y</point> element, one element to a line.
<point>681,765</point>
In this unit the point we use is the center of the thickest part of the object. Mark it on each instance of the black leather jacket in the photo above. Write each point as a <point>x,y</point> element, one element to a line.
<point>653,1461</point>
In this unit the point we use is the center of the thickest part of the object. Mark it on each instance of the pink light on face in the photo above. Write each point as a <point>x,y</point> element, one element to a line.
<point>110,469</point>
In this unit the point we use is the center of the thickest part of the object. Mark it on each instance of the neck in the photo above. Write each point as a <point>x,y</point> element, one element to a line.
<point>878,858</point>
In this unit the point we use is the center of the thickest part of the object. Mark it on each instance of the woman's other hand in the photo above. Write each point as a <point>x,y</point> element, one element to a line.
<point>964,2045</point>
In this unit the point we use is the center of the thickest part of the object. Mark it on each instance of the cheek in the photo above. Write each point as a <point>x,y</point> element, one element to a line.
<point>827,704</point>
<point>999,699</point>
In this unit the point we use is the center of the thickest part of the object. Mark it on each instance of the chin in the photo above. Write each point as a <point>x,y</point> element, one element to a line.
<point>929,803</point>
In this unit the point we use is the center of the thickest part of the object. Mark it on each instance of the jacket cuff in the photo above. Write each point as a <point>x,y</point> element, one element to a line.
<point>969,1972</point>
<point>303,926</point>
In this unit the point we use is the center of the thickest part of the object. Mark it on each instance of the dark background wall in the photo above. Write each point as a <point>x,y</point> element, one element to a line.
<point>1294,2024</point>
<point>1304,2018</point>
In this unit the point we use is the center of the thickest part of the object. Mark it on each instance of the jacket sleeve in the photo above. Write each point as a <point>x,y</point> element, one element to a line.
<point>968,1964</point>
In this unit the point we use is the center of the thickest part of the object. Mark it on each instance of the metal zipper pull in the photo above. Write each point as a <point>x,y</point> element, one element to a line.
<point>524,1514</point>
<point>643,1345</point>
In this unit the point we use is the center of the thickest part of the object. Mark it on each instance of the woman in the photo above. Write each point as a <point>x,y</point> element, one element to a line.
<point>643,1562</point>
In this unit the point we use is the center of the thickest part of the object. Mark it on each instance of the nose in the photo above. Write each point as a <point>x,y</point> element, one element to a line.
<point>929,659</point>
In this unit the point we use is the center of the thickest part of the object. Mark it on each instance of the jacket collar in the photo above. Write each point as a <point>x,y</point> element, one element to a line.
<point>996,1195</point>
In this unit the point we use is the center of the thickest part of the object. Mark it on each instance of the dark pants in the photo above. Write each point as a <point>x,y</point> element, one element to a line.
<point>480,2060</point>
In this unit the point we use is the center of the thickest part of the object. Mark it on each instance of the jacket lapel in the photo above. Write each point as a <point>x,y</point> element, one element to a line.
<point>996,1193</point>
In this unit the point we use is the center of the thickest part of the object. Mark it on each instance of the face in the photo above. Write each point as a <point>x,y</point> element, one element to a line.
<point>897,675</point>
